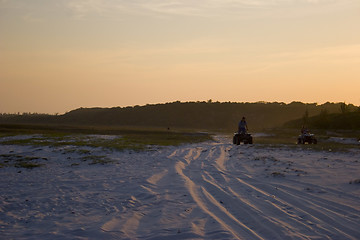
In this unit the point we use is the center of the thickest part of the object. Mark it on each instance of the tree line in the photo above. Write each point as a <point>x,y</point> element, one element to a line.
<point>348,118</point>
<point>218,116</point>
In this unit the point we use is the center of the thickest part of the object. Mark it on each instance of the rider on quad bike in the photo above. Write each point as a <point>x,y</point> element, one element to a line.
<point>242,127</point>
<point>242,135</point>
<point>306,137</point>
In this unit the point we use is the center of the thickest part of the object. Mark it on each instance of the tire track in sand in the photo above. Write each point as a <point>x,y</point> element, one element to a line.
<point>215,191</point>
<point>241,204</point>
<point>195,184</point>
<point>301,213</point>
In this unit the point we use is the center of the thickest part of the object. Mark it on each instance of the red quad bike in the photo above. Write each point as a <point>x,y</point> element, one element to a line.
<point>246,138</point>
<point>307,138</point>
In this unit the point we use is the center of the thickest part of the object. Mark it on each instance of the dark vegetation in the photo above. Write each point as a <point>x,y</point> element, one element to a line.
<point>19,161</point>
<point>348,118</point>
<point>123,138</point>
<point>325,120</point>
<point>214,116</point>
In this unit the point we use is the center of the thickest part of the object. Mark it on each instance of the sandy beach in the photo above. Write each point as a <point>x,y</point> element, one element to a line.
<point>209,190</point>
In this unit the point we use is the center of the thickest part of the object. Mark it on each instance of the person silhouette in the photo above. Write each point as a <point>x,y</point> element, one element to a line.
<point>242,127</point>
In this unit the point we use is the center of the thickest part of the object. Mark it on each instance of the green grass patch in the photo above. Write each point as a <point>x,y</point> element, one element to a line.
<point>277,174</point>
<point>114,138</point>
<point>28,165</point>
<point>92,160</point>
<point>19,161</point>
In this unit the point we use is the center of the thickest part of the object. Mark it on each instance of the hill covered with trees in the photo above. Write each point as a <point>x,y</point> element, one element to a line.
<point>348,118</point>
<point>193,115</point>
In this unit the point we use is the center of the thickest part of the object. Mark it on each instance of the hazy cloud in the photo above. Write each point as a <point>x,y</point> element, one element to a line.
<point>187,7</point>
<point>204,8</point>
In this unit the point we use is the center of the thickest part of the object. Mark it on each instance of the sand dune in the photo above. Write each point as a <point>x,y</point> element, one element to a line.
<point>212,190</point>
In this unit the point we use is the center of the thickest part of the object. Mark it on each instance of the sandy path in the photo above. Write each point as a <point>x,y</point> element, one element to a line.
<point>212,190</point>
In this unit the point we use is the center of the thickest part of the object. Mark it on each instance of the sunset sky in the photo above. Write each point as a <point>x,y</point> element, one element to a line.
<point>58,55</point>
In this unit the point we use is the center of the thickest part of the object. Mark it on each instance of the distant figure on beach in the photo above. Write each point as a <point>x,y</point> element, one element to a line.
<point>242,128</point>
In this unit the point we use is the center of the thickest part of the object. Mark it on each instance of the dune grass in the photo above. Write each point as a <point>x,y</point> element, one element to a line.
<point>106,137</point>
<point>28,165</point>
<point>20,161</point>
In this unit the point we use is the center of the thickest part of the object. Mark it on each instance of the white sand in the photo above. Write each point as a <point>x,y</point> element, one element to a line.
<point>212,190</point>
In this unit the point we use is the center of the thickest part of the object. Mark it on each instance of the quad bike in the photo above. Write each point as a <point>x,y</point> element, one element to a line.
<point>307,138</point>
<point>246,138</point>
